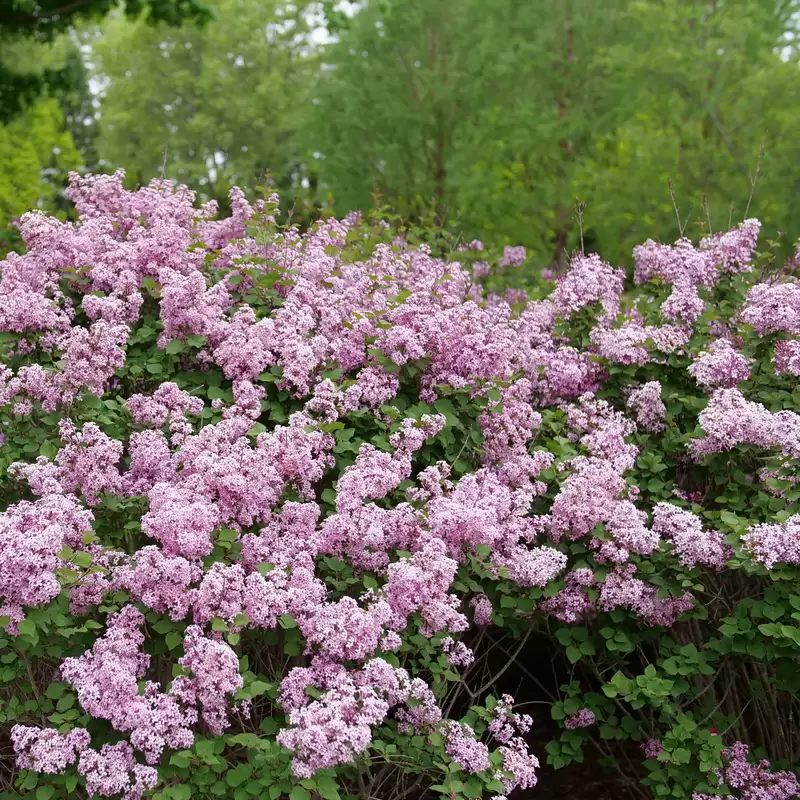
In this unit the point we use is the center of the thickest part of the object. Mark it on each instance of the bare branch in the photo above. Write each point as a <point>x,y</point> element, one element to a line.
<point>754,178</point>
<point>580,207</point>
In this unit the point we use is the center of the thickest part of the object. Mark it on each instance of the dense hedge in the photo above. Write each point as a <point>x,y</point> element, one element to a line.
<point>277,501</point>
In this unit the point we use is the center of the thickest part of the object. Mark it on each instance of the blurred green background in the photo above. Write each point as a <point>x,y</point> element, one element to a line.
<point>492,118</point>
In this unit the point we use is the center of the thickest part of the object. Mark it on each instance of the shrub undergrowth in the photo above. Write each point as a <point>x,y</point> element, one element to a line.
<point>277,500</point>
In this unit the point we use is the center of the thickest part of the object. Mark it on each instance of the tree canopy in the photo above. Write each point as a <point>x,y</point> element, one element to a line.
<point>212,106</point>
<point>42,20</point>
<point>505,119</point>
<point>498,125</point>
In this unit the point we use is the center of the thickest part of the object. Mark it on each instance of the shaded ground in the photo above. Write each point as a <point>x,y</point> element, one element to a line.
<point>587,781</point>
<point>590,780</point>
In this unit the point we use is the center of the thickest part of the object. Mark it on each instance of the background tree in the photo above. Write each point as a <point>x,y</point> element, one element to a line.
<point>48,138</point>
<point>211,106</point>
<point>37,21</point>
<point>472,108</point>
<point>504,119</point>
<point>35,155</point>
<point>724,86</point>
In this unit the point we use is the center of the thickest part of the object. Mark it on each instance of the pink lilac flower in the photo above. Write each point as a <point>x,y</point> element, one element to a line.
<point>513,256</point>
<point>648,406</point>
<point>181,519</point>
<point>160,582</point>
<point>773,308</point>
<point>755,781</point>
<point>770,543</point>
<point>391,641</point>
<point>568,373</point>
<point>632,342</point>
<point>461,745</point>
<point>338,726</point>
<point>786,357</point>
<point>730,420</point>
<point>214,674</point>
<point>220,594</point>
<point>505,724</point>
<point>150,462</point>
<point>482,613</point>
<point>113,771</point>
<point>92,356</point>
<point>691,542</point>
<point>88,461</point>
<point>519,765</point>
<point>572,602</point>
<point>589,280</point>
<point>46,750</point>
<point>623,345</point>
<point>584,718</point>
<point>167,403</point>
<point>621,590</point>
<point>420,584</point>
<point>651,748</point>
<point>720,366</point>
<point>106,678</point>
<point>32,536</point>
<point>458,654</point>
<point>734,249</point>
<point>680,265</point>
<point>343,630</point>
<point>687,268</point>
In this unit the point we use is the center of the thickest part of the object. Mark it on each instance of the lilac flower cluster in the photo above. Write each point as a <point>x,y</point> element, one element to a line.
<point>753,781</point>
<point>731,420</point>
<point>685,531</point>
<point>720,367</point>
<point>237,522</point>
<point>583,718</point>
<point>770,543</point>
<point>646,403</point>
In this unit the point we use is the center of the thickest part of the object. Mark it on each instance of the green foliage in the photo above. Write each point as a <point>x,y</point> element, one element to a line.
<point>35,155</point>
<point>212,107</point>
<point>503,119</point>
<point>35,21</point>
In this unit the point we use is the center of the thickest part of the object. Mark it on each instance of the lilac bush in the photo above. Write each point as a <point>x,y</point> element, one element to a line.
<point>274,497</point>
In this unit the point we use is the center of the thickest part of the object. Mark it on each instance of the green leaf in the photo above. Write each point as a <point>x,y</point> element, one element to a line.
<point>259,687</point>
<point>65,702</point>
<point>681,756</point>
<point>238,775</point>
<point>299,793</point>
<point>55,690</point>
<point>227,535</point>
<point>82,560</point>
<point>327,788</point>
<point>204,748</point>
<point>179,760</point>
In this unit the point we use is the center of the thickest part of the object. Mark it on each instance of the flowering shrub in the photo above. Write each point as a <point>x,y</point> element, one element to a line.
<point>275,500</point>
